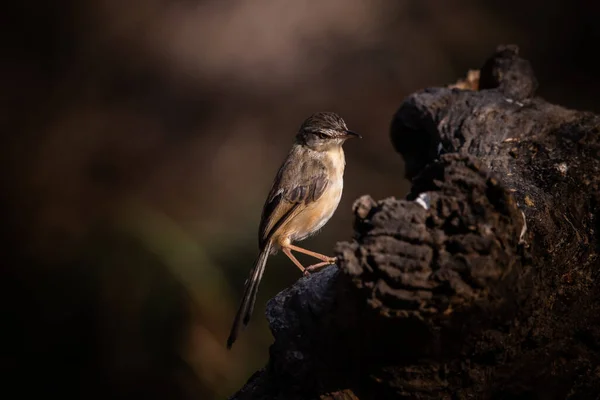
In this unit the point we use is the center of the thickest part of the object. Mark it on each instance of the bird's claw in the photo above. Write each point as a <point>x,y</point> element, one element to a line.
<point>330,261</point>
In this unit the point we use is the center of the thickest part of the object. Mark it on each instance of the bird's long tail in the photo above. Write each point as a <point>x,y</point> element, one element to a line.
<point>251,289</point>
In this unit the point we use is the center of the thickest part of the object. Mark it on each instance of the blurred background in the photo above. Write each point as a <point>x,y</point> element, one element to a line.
<point>139,140</point>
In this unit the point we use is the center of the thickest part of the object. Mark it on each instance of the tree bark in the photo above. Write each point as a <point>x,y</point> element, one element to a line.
<point>483,283</point>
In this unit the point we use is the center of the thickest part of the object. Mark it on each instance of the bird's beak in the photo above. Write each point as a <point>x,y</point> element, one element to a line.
<point>350,134</point>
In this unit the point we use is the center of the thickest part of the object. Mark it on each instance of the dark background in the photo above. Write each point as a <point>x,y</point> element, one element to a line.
<point>139,140</point>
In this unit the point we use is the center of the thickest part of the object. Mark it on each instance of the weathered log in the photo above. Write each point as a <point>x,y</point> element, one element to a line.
<point>483,283</point>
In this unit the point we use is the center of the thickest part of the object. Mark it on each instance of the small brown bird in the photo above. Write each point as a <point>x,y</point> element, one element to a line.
<point>304,196</point>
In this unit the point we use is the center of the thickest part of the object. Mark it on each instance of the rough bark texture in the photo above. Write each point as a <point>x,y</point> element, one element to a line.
<point>483,283</point>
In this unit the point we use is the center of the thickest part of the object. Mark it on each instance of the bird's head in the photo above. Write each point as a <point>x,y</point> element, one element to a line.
<point>322,130</point>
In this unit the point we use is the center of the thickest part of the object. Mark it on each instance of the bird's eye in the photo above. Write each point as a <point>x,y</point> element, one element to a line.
<point>321,135</point>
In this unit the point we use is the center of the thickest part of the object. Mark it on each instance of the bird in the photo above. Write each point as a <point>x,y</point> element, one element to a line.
<point>304,195</point>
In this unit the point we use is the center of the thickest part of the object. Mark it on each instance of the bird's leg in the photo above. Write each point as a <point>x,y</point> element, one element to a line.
<point>324,258</point>
<point>288,253</point>
<point>308,270</point>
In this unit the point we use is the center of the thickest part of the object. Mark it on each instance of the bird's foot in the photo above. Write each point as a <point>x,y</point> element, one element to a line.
<point>312,268</point>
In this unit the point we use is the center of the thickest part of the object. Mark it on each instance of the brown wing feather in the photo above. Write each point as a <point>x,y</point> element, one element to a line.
<point>300,180</point>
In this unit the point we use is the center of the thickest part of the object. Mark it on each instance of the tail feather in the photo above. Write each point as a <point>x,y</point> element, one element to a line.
<point>249,298</point>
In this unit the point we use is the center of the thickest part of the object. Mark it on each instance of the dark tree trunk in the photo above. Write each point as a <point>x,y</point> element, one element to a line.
<point>483,284</point>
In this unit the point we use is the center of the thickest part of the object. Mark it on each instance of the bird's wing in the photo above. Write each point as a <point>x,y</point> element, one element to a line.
<point>300,181</point>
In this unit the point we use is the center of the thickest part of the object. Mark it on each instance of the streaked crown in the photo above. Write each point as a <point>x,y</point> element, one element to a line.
<point>324,123</point>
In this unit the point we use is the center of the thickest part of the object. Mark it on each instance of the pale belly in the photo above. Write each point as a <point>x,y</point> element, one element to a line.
<point>316,215</point>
